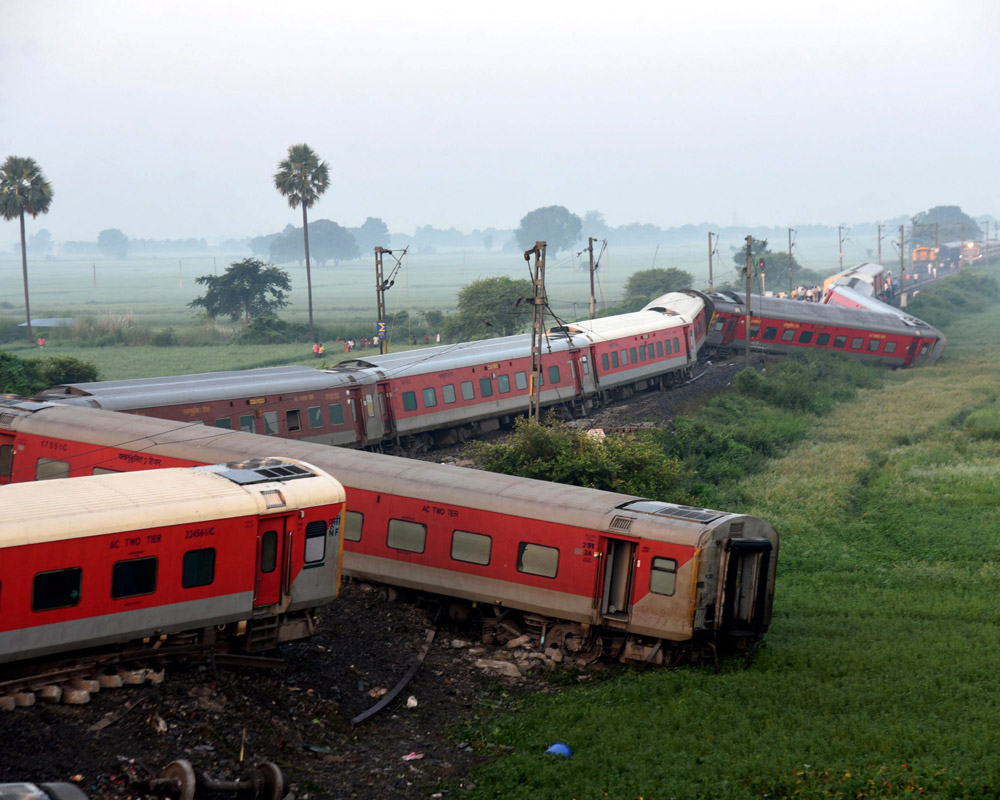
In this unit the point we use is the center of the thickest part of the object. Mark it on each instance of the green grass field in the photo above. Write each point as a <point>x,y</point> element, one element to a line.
<point>878,678</point>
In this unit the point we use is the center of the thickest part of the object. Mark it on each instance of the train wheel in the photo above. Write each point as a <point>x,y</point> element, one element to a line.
<point>182,772</point>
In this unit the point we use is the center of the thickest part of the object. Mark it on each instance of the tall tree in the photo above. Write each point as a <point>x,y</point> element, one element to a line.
<point>113,243</point>
<point>554,225</point>
<point>302,178</point>
<point>248,288</point>
<point>23,190</point>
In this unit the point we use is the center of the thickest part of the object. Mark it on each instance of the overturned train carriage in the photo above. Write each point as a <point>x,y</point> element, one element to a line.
<point>590,571</point>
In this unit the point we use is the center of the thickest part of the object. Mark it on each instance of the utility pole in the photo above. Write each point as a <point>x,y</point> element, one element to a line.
<point>901,263</point>
<point>382,285</point>
<point>790,262</point>
<point>537,328</point>
<point>711,284</point>
<point>840,245</point>
<point>590,248</point>
<point>937,236</point>
<point>747,269</point>
<point>880,244</point>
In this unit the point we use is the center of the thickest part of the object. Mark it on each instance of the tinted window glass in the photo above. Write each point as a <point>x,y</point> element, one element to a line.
<point>268,551</point>
<point>554,376</point>
<point>404,535</point>
<point>468,390</point>
<point>677,345</point>
<point>873,345</point>
<point>521,380</point>
<point>271,422</point>
<point>409,401</point>
<point>805,337</point>
<point>293,420</point>
<point>659,350</point>
<point>754,330</point>
<point>890,347</point>
<point>105,471</point>
<point>604,361</point>
<point>471,547</point>
<point>662,575</point>
<point>840,341</point>
<point>448,393</point>
<point>856,342</point>
<point>822,339</point>
<point>536,559</point>
<point>503,384</point>
<point>49,469</point>
<point>315,417</point>
<point>59,589</point>
<point>430,397</point>
<point>224,422</point>
<point>788,335</point>
<point>199,568</point>
<point>486,387</point>
<point>132,578</point>
<point>353,522</point>
<point>633,357</point>
<point>247,423</point>
<point>770,333</point>
<point>336,414</point>
<point>315,541</point>
<point>614,359</point>
<point>586,365</point>
<point>623,356</point>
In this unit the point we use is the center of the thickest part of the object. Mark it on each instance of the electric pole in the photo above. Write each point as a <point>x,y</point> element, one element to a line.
<point>840,245</point>
<point>382,285</point>
<point>747,270</point>
<point>790,262</point>
<point>880,244</point>
<point>711,284</point>
<point>901,263</point>
<point>590,248</point>
<point>537,328</point>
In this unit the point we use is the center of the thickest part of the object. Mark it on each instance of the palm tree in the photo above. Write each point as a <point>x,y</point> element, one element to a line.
<point>302,178</point>
<point>23,190</point>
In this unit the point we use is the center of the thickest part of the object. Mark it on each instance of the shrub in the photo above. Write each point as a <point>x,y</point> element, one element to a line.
<point>272,330</point>
<point>18,375</point>
<point>165,338</point>
<point>64,369</point>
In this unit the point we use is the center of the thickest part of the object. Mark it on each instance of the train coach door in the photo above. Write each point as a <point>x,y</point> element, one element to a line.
<point>745,588</point>
<point>6,457</point>
<point>614,592</point>
<point>271,548</point>
<point>385,409</point>
<point>356,401</point>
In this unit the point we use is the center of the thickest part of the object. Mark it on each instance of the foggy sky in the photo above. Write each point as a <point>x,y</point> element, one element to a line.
<point>167,119</point>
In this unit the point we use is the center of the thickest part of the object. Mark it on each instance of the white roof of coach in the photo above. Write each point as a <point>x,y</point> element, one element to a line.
<point>70,508</point>
<point>669,310</point>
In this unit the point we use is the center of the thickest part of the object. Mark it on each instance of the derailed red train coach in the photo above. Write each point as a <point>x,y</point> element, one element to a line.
<point>596,573</point>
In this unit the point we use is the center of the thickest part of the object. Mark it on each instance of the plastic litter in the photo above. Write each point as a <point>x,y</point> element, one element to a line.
<point>411,702</point>
<point>560,749</point>
<point>412,756</point>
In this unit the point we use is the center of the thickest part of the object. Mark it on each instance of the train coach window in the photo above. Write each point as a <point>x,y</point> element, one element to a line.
<point>537,559</point>
<point>770,333</point>
<point>614,358</point>
<point>839,341</point>
<point>293,419</point>
<point>718,326</point>
<point>521,379</point>
<point>133,578</point>
<point>788,335</point>
<point>353,522</point>
<point>805,337</point>
<point>924,348</point>
<point>642,352</point>
<point>57,589</point>
<point>554,376</point>
<point>873,345</point>
<point>586,364</point>
<point>271,422</point>
<point>623,354</point>
<point>224,422</point>
<point>822,340</point>
<point>486,387</point>
<point>336,414</point>
<point>247,423</point>
<point>315,416</point>
<point>890,347</point>
<point>448,393</point>
<point>604,362</point>
<point>409,401</point>
<point>404,535</point>
<point>632,355</point>
<point>199,568</point>
<point>857,342</point>
<point>677,345</point>
<point>315,542</point>
<point>105,471</point>
<point>269,551</point>
<point>659,350</point>
<point>503,384</point>
<point>6,460</point>
<point>754,330</point>
<point>48,469</point>
<point>662,575</point>
<point>473,548</point>
<point>468,390</point>
<point>430,397</point>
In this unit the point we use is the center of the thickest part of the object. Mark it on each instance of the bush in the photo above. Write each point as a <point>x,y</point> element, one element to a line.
<point>64,369</point>
<point>18,375</point>
<point>272,330</point>
<point>165,338</point>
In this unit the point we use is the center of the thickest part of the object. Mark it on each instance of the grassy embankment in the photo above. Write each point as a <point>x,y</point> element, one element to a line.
<point>878,679</point>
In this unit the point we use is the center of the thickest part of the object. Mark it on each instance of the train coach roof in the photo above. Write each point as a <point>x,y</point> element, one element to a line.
<point>819,313</point>
<point>876,305</point>
<point>73,507</point>
<point>669,310</point>
<point>199,388</point>
<point>436,484</point>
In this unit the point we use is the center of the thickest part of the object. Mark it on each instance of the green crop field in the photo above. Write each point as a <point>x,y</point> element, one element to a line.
<point>878,675</point>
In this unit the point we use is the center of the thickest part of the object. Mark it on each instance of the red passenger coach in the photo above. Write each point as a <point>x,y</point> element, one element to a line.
<point>590,571</point>
<point>241,551</point>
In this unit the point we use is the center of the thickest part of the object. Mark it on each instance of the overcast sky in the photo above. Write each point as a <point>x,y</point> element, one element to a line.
<point>168,119</point>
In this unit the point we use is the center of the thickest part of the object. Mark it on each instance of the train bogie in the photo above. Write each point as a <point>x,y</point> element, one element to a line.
<point>112,558</point>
